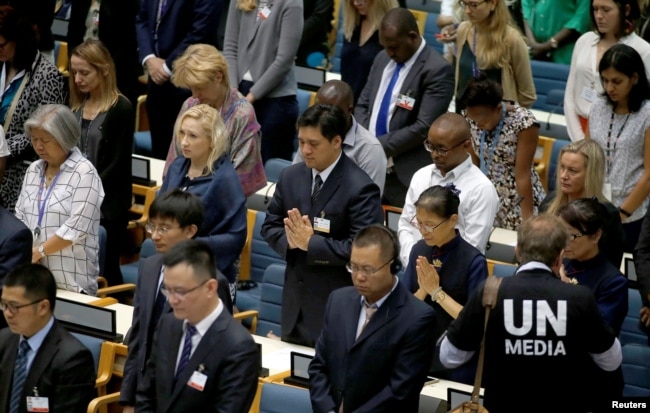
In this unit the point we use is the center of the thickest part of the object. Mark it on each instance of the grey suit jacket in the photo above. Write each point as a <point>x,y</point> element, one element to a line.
<point>227,355</point>
<point>63,371</point>
<point>431,83</point>
<point>143,305</point>
<point>265,47</point>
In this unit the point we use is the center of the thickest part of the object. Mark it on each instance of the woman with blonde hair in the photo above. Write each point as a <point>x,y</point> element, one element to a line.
<point>204,70</point>
<point>488,43</point>
<point>205,170</point>
<point>261,41</point>
<point>107,123</point>
<point>581,174</point>
<point>361,21</point>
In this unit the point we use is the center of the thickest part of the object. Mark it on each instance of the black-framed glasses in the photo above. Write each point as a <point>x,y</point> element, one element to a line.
<point>573,237</point>
<point>424,227</point>
<point>13,308</point>
<point>472,5</point>
<point>366,271</point>
<point>439,150</point>
<point>180,294</point>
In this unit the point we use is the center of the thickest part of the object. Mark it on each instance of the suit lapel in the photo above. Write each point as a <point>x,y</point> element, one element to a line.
<point>375,84</point>
<point>149,294</point>
<point>176,331</point>
<point>409,86</point>
<point>388,311</point>
<point>43,358</point>
<point>330,187</point>
<point>253,23</point>
<point>7,370</point>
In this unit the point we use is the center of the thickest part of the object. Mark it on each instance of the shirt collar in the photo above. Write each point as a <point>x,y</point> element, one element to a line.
<point>381,301</point>
<point>327,171</point>
<point>203,326</point>
<point>458,171</point>
<point>351,135</point>
<point>534,265</point>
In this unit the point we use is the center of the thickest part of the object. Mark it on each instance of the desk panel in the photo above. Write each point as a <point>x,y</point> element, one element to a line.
<point>124,317</point>
<point>78,297</point>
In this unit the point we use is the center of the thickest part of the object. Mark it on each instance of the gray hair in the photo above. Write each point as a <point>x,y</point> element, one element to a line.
<point>58,121</point>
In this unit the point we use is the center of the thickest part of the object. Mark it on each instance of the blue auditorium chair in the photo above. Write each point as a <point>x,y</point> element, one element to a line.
<point>280,398</point>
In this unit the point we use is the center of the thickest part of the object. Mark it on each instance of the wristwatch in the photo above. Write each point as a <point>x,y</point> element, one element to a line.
<point>439,296</point>
<point>41,250</point>
<point>554,43</point>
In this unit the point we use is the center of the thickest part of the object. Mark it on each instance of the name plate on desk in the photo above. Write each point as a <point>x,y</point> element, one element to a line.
<point>501,246</point>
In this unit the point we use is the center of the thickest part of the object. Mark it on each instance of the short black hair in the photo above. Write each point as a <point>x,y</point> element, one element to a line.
<point>585,214</point>
<point>196,254</point>
<point>181,206</point>
<point>380,236</point>
<point>440,200</point>
<point>481,91</point>
<point>329,119</point>
<point>402,19</point>
<point>626,60</point>
<point>37,281</point>
<point>15,27</point>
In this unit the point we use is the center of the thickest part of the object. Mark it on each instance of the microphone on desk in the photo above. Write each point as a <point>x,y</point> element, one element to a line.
<point>554,97</point>
<point>266,195</point>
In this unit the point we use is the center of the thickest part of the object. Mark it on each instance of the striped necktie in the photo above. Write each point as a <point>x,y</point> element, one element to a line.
<point>20,375</point>
<point>190,330</point>
<point>318,184</point>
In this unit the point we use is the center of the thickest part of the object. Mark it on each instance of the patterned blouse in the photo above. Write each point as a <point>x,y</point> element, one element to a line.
<point>245,141</point>
<point>501,166</point>
<point>72,212</point>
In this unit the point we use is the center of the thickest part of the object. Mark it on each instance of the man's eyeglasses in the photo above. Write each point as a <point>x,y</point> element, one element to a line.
<point>13,308</point>
<point>180,294</point>
<point>365,271</point>
<point>439,150</point>
<point>427,229</point>
<point>473,5</point>
<point>162,230</point>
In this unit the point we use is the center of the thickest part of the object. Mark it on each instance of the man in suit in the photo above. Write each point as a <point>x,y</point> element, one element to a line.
<point>202,359</point>
<point>317,208</point>
<point>174,217</point>
<point>375,348</point>
<point>409,86</point>
<point>165,28</point>
<point>41,364</point>
<point>539,324</point>
<point>359,145</point>
<point>15,246</point>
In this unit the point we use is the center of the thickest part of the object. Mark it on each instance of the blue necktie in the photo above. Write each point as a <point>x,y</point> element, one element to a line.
<point>318,184</point>
<point>20,375</point>
<point>190,330</point>
<point>382,116</point>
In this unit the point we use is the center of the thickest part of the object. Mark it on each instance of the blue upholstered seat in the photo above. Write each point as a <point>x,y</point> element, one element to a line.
<point>280,398</point>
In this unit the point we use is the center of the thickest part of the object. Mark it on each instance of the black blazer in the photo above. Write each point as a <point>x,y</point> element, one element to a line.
<point>381,371</point>
<point>431,83</point>
<point>15,243</point>
<point>63,371</point>
<point>350,200</point>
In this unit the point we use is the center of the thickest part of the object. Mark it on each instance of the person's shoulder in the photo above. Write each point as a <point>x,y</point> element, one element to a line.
<point>6,336</point>
<point>123,104</point>
<point>363,137</point>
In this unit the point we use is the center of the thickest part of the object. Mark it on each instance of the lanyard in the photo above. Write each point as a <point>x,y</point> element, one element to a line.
<point>486,162</point>
<point>609,139</point>
<point>475,69</point>
<point>41,205</point>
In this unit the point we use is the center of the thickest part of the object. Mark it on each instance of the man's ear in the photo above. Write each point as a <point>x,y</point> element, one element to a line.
<point>190,231</point>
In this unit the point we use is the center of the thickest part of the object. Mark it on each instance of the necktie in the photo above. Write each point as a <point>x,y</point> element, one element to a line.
<point>20,375</point>
<point>370,311</point>
<point>382,116</point>
<point>190,330</point>
<point>318,184</point>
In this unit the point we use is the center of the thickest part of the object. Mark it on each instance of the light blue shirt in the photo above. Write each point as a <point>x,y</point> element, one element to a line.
<point>36,341</point>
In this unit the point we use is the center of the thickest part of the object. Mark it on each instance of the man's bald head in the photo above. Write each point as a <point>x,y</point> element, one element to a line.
<point>449,139</point>
<point>454,126</point>
<point>336,93</point>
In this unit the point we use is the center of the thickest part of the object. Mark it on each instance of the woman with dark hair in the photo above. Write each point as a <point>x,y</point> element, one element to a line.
<point>107,124</point>
<point>585,265</point>
<point>613,22</point>
<point>504,141</point>
<point>444,269</point>
<point>620,123</point>
<point>27,80</point>
<point>580,174</point>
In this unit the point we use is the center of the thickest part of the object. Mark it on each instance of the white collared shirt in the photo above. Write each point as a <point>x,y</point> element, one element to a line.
<point>385,80</point>
<point>479,203</point>
<point>202,328</point>
<point>378,303</point>
<point>325,173</point>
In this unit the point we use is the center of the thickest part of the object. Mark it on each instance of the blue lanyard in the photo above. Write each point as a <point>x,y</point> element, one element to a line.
<point>475,69</point>
<point>41,205</point>
<point>485,163</point>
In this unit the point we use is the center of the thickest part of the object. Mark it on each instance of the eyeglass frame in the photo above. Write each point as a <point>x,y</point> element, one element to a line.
<point>427,228</point>
<point>178,294</point>
<point>162,230</point>
<point>13,309</point>
<point>366,272</point>
<point>440,151</point>
<point>474,5</point>
<point>573,237</point>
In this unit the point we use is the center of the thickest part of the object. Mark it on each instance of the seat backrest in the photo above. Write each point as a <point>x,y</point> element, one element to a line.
<point>93,344</point>
<point>431,29</point>
<point>500,268</point>
<point>391,216</point>
<point>271,300</point>
<point>548,76</point>
<point>262,255</point>
<point>430,6</point>
<point>542,158</point>
<point>305,99</point>
<point>273,167</point>
<point>558,144</point>
<point>280,398</point>
<point>636,370</point>
<point>630,330</point>
<point>420,17</point>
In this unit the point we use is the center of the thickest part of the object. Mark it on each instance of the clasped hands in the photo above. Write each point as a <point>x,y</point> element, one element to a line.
<point>298,229</point>
<point>428,278</point>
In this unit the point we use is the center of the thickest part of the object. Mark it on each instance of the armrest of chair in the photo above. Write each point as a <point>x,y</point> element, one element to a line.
<point>252,314</point>
<point>103,292</point>
<point>98,402</point>
<point>104,301</point>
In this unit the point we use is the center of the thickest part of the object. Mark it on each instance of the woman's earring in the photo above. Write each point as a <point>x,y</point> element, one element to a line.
<point>629,26</point>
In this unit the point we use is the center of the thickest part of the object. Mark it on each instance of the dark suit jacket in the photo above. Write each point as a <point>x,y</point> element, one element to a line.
<point>63,371</point>
<point>350,201</point>
<point>381,371</point>
<point>431,83</point>
<point>184,23</point>
<point>143,304</point>
<point>228,356</point>
<point>15,243</point>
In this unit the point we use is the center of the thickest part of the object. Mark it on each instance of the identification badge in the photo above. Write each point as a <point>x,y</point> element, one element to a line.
<point>589,94</point>
<point>197,381</point>
<point>264,13</point>
<point>405,102</point>
<point>37,404</point>
<point>322,225</point>
<point>607,191</point>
